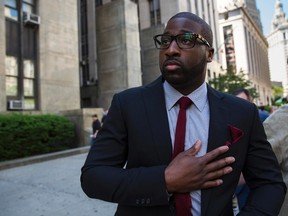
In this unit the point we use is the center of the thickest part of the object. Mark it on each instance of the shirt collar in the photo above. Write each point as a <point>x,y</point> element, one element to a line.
<point>198,96</point>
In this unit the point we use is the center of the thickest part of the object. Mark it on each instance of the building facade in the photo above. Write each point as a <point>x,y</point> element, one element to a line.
<point>278,47</point>
<point>79,58</point>
<point>110,52</point>
<point>39,63</point>
<point>245,49</point>
<point>111,62</point>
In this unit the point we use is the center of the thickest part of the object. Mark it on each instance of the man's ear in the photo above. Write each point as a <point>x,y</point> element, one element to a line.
<point>210,54</point>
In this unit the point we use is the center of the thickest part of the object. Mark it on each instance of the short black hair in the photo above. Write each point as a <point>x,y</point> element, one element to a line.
<point>206,29</point>
<point>241,90</point>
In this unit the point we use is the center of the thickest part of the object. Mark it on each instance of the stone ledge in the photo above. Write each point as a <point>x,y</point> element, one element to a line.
<point>40,158</point>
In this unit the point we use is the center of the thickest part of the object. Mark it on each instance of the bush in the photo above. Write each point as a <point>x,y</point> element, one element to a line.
<point>28,135</point>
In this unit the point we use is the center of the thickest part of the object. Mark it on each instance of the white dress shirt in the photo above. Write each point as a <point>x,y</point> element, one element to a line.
<point>197,125</point>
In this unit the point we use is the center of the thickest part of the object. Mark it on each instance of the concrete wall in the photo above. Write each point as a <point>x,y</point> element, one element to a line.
<point>58,56</point>
<point>2,59</point>
<point>150,55</point>
<point>119,61</point>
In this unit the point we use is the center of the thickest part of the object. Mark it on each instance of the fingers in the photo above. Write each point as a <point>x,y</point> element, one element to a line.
<point>214,183</point>
<point>210,156</point>
<point>215,174</point>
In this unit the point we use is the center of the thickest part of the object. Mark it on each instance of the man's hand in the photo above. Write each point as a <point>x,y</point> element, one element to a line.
<point>188,173</point>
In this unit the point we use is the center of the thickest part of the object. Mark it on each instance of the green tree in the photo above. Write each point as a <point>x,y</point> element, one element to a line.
<point>230,82</point>
<point>277,92</point>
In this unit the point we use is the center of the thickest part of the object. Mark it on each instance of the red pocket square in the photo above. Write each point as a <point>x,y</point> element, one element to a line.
<point>235,133</point>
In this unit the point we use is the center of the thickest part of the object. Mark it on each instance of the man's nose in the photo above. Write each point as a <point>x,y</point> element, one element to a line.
<point>173,48</point>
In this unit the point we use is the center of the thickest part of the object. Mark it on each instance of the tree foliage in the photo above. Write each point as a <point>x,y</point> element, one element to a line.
<point>277,92</point>
<point>229,82</point>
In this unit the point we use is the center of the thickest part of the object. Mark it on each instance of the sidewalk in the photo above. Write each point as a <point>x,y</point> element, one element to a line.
<point>49,188</point>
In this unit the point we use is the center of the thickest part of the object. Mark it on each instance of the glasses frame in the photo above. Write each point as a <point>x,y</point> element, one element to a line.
<point>197,36</point>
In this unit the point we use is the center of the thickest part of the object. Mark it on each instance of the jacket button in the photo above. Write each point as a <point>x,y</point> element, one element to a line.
<point>148,201</point>
<point>137,201</point>
<point>172,208</point>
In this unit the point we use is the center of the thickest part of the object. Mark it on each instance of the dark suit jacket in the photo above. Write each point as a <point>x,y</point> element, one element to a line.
<point>136,135</point>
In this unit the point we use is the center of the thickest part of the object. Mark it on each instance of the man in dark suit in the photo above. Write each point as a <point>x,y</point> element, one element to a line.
<point>131,162</point>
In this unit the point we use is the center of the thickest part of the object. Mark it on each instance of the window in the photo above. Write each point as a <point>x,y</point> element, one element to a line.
<point>155,16</point>
<point>28,6</point>
<point>84,63</point>
<point>11,69</point>
<point>21,54</point>
<point>11,9</point>
<point>229,48</point>
<point>98,3</point>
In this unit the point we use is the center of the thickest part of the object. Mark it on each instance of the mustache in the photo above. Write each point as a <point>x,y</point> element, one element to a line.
<point>172,60</point>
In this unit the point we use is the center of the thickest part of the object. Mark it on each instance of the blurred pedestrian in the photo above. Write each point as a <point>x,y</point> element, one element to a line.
<point>243,93</point>
<point>96,126</point>
<point>276,127</point>
<point>263,113</point>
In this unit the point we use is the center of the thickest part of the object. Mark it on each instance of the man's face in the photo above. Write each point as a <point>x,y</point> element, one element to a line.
<point>184,69</point>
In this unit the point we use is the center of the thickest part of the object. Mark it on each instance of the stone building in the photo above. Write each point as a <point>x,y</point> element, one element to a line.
<point>118,51</point>
<point>278,47</point>
<point>67,55</point>
<point>244,46</point>
<point>71,57</point>
<point>39,61</point>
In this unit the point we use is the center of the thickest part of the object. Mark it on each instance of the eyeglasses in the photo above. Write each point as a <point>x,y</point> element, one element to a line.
<point>184,41</point>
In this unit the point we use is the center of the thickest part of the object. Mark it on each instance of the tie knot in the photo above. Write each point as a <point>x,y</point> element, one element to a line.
<point>184,102</point>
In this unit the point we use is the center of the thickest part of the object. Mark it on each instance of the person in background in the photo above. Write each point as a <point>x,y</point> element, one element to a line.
<point>264,114</point>
<point>176,146</point>
<point>96,126</point>
<point>276,128</point>
<point>243,93</point>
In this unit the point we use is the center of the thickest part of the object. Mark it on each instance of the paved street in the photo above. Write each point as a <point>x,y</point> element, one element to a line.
<point>50,188</point>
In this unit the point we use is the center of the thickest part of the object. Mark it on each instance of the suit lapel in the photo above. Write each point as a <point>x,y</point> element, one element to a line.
<point>217,135</point>
<point>154,102</point>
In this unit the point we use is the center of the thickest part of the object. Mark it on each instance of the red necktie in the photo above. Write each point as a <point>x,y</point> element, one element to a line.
<point>183,200</point>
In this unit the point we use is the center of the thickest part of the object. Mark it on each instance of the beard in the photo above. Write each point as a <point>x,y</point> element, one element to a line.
<point>184,77</point>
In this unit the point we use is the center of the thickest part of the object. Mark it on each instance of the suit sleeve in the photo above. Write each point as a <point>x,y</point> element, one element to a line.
<point>104,175</point>
<point>262,175</point>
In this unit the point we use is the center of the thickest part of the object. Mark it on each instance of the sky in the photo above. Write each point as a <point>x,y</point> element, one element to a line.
<point>267,9</point>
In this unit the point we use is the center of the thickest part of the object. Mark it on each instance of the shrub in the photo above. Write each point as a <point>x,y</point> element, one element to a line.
<point>28,135</point>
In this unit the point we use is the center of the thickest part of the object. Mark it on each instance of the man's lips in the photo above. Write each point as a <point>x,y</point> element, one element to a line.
<point>172,65</point>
